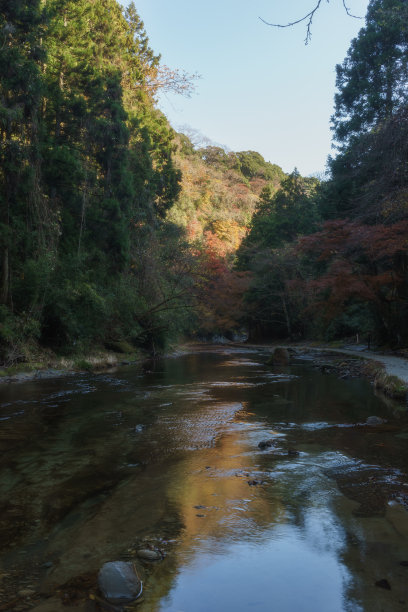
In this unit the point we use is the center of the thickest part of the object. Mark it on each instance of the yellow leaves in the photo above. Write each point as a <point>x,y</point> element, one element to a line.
<point>230,232</point>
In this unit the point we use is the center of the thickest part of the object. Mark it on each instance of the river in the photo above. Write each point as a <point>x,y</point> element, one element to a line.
<point>97,466</point>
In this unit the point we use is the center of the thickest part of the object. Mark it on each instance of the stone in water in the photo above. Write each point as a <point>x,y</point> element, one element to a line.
<point>149,555</point>
<point>118,582</point>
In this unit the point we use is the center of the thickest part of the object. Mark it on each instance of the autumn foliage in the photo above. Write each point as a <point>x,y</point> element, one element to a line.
<point>220,295</point>
<point>359,262</point>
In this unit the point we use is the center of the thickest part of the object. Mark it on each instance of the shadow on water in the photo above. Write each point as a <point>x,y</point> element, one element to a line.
<point>95,467</point>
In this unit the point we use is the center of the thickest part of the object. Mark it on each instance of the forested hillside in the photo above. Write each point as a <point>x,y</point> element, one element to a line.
<point>220,193</point>
<point>113,227</point>
<point>87,176</point>
<point>116,229</point>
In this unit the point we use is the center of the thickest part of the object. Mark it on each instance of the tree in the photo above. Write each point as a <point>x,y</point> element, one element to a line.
<point>220,293</point>
<point>370,178</point>
<point>283,215</point>
<point>361,264</point>
<point>20,98</point>
<point>276,300</point>
<point>274,304</point>
<point>253,165</point>
<point>372,80</point>
<point>86,177</point>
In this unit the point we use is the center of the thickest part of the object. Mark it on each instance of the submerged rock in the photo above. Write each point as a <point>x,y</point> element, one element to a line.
<point>280,356</point>
<point>374,420</point>
<point>26,593</point>
<point>119,583</point>
<point>383,584</point>
<point>265,444</point>
<point>148,554</point>
<point>47,564</point>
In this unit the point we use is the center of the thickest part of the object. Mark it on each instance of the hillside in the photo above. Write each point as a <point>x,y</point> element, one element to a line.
<point>219,193</point>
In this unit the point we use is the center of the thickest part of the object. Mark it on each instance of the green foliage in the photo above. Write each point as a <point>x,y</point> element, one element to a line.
<point>86,175</point>
<point>252,165</point>
<point>219,158</point>
<point>284,215</point>
<point>370,179</point>
<point>357,318</point>
<point>372,79</point>
<point>16,334</point>
<point>217,202</point>
<point>74,312</point>
<point>351,276</point>
<point>275,307</point>
<point>82,364</point>
<point>113,229</point>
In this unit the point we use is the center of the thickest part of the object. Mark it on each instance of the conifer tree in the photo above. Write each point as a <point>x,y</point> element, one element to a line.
<point>20,96</point>
<point>372,80</point>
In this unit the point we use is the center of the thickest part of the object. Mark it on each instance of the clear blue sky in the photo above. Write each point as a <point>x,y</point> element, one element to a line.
<point>261,88</point>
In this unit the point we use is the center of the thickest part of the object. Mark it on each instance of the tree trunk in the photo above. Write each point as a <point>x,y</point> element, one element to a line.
<point>389,103</point>
<point>287,319</point>
<point>4,290</point>
<point>83,212</point>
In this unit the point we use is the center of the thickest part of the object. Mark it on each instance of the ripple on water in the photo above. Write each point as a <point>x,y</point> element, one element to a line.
<point>12,415</point>
<point>260,539</point>
<point>198,429</point>
<point>232,383</point>
<point>315,426</point>
<point>241,363</point>
<point>280,377</point>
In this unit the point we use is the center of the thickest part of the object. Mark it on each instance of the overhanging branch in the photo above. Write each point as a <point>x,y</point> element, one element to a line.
<point>309,19</point>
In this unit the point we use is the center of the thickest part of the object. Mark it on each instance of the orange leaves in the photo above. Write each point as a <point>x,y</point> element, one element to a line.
<point>362,262</point>
<point>345,238</point>
<point>327,243</point>
<point>221,297</point>
<point>383,242</point>
<point>216,202</point>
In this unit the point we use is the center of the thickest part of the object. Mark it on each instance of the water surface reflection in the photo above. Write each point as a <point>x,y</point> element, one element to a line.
<point>92,467</point>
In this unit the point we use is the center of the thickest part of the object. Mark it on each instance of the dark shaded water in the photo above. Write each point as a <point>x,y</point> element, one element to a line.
<point>93,467</point>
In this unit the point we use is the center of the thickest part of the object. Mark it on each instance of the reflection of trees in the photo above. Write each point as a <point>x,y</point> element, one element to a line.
<point>215,478</point>
<point>159,500</point>
<point>350,498</point>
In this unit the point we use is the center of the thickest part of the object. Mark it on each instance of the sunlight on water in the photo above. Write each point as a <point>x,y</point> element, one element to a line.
<point>256,482</point>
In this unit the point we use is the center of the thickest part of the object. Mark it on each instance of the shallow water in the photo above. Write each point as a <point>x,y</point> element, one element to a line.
<point>94,467</point>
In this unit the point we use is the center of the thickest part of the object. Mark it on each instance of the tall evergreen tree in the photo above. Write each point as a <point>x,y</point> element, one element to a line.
<point>283,215</point>
<point>20,97</point>
<point>372,80</point>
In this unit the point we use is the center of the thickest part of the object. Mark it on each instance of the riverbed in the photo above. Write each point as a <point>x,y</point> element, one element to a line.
<point>264,487</point>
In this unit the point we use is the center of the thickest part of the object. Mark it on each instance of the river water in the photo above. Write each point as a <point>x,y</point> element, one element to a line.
<point>95,467</point>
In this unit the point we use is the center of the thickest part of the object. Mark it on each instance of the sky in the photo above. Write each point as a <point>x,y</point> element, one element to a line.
<point>260,88</point>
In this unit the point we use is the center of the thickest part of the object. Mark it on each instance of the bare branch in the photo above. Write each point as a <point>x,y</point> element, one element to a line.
<point>309,19</point>
<point>346,8</point>
<point>169,80</point>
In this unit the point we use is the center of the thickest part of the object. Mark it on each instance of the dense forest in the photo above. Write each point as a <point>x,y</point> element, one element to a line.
<point>116,231</point>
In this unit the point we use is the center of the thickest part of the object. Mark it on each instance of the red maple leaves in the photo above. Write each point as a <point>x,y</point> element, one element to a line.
<point>356,261</point>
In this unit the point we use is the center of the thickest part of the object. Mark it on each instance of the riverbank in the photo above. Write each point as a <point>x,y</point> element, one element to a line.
<point>388,373</point>
<point>52,366</point>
